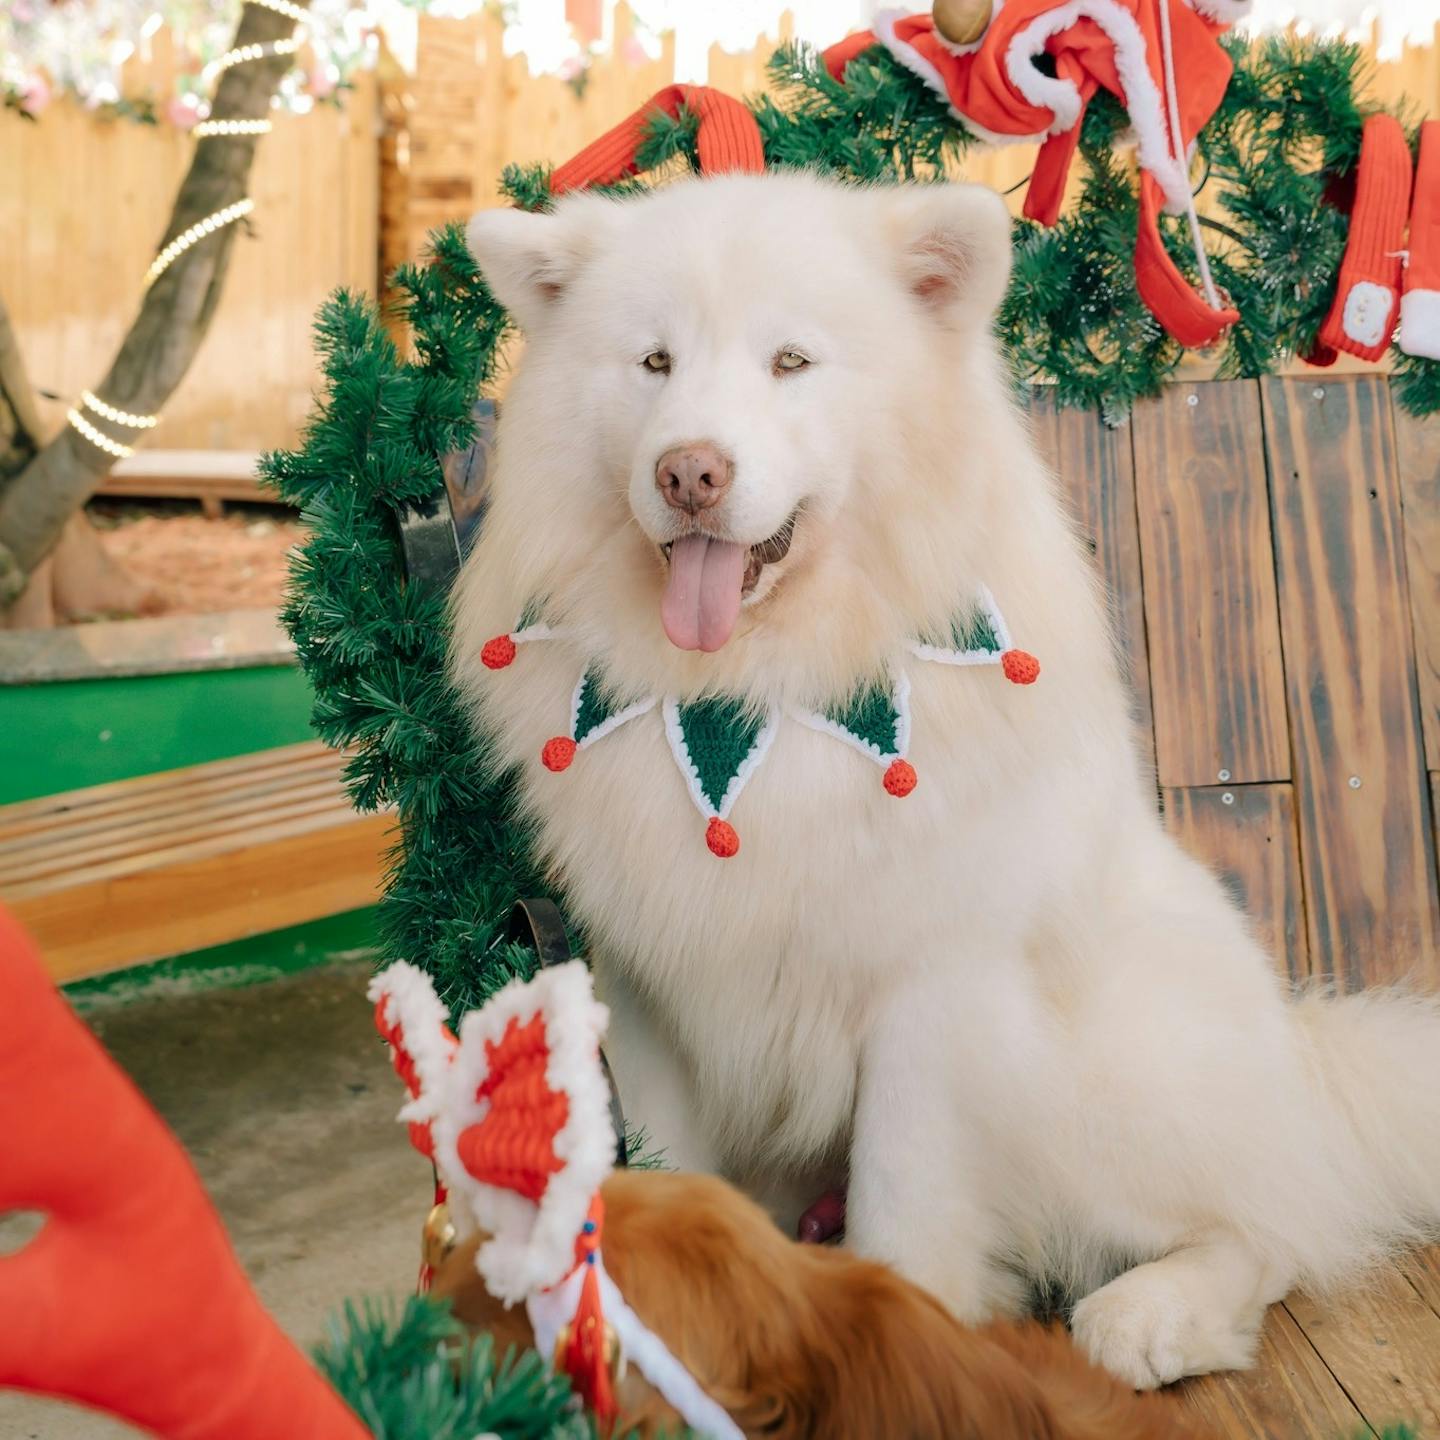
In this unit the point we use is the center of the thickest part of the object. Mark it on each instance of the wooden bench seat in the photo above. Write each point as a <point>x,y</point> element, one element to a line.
<point>141,869</point>
<point>209,476</point>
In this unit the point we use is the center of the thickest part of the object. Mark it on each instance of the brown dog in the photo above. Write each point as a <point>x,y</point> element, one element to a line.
<point>803,1340</point>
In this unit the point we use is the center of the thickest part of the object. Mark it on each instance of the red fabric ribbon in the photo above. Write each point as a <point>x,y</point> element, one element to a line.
<point>728,139</point>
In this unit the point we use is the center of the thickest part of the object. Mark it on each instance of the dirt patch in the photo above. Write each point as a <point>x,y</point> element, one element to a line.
<point>193,565</point>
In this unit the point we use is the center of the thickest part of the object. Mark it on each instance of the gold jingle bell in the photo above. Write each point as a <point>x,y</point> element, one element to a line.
<point>438,1238</point>
<point>611,1351</point>
<point>961,22</point>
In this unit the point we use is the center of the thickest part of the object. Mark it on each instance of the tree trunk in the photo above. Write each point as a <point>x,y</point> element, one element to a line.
<point>43,487</point>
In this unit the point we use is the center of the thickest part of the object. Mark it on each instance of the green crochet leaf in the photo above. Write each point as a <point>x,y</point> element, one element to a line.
<point>530,615</point>
<point>595,706</point>
<point>871,717</point>
<point>719,735</point>
<point>968,630</point>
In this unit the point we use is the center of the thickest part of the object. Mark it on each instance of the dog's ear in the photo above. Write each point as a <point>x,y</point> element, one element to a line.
<point>954,249</point>
<point>530,259</point>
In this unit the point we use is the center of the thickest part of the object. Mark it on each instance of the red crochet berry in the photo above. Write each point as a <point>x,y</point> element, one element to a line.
<point>1020,666</point>
<point>900,778</point>
<point>558,753</point>
<point>498,653</point>
<point>720,836</point>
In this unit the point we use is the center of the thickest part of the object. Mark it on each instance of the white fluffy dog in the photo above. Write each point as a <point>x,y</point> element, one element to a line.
<point>760,439</point>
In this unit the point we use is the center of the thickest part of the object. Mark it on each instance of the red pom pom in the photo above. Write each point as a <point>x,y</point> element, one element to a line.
<point>900,778</point>
<point>720,836</point>
<point>558,753</point>
<point>1020,667</point>
<point>498,653</point>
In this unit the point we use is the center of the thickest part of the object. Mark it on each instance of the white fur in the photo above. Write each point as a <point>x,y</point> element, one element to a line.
<point>412,1004</point>
<point>1042,1038</point>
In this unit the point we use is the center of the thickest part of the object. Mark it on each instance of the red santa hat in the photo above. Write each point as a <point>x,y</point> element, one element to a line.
<point>1161,58</point>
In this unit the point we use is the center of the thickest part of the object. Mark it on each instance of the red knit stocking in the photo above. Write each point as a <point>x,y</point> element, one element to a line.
<point>1362,317</point>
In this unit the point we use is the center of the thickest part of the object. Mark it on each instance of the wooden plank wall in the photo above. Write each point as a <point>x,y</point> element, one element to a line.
<point>81,212</point>
<point>1272,554</point>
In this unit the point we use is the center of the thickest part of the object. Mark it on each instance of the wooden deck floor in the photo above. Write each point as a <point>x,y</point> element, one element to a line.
<point>1364,1364</point>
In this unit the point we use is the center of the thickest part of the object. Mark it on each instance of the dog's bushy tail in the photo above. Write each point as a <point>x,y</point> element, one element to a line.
<point>1377,1056</point>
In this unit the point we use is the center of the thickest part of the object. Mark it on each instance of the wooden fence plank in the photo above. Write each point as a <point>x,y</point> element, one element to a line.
<point>1214,636</point>
<point>1096,469</point>
<point>1366,849</point>
<point>1247,834</point>
<point>1417,451</point>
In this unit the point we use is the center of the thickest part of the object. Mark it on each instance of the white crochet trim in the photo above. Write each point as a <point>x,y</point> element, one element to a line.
<point>531,1245</point>
<point>945,655</point>
<point>534,632</point>
<point>551,1310</point>
<point>411,1002</point>
<point>611,722</point>
<point>675,734</point>
<point>899,698</point>
<point>917,64</point>
<point>1142,98</point>
<point>1420,323</point>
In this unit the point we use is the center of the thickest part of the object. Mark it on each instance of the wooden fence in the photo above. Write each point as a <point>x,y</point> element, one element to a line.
<point>81,214</point>
<point>1272,551</point>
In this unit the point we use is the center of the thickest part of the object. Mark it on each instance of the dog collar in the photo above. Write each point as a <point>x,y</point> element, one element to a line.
<point>719,742</point>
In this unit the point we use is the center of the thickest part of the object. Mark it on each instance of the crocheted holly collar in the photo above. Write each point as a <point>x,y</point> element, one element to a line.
<point>719,742</point>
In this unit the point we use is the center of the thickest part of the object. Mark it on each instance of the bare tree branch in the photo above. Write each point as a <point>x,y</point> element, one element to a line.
<point>174,315</point>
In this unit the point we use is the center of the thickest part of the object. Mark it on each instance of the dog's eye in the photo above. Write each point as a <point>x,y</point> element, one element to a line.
<point>657,362</point>
<point>788,360</point>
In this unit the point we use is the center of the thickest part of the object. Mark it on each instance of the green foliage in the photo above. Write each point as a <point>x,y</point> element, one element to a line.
<point>1289,125</point>
<point>374,647</point>
<point>411,1372</point>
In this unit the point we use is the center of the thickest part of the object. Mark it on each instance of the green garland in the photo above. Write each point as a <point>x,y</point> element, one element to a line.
<point>374,647</point>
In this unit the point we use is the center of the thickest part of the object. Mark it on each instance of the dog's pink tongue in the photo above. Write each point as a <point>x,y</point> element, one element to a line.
<point>702,596</point>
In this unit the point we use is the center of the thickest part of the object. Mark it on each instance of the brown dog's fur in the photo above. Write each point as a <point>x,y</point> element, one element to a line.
<point>800,1340</point>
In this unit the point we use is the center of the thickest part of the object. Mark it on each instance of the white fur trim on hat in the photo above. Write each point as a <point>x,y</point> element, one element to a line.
<point>412,1004</point>
<point>917,64</point>
<point>1142,97</point>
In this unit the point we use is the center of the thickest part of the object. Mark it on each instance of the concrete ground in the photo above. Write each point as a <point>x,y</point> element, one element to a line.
<point>285,1099</point>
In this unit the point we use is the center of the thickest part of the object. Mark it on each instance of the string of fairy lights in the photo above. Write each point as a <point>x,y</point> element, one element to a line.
<point>192,235</point>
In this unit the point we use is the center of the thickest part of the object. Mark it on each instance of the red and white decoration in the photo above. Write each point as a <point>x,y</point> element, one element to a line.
<point>1420,304</point>
<point>1161,58</point>
<point>515,1113</point>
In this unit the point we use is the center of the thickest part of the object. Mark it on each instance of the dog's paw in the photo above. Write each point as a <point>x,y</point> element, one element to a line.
<point>1148,1329</point>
